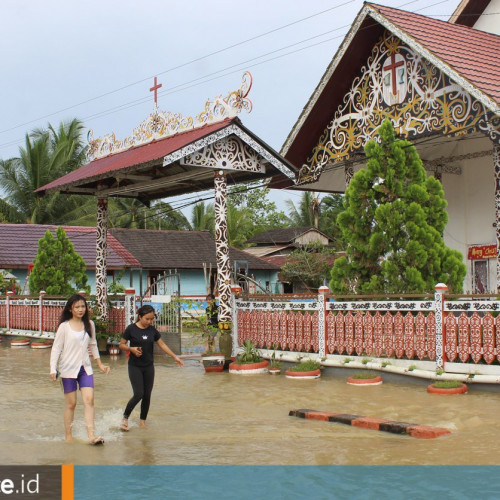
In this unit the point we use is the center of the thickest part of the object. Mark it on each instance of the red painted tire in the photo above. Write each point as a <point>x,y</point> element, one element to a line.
<point>41,345</point>
<point>452,390</point>
<point>311,374</point>
<point>20,343</point>
<point>211,369</point>
<point>365,381</point>
<point>248,366</point>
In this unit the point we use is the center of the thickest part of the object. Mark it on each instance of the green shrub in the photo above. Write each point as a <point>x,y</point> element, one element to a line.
<point>308,365</point>
<point>250,354</point>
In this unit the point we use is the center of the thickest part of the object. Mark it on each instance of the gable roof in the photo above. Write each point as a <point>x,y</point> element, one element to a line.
<point>156,249</point>
<point>154,170</point>
<point>282,236</point>
<point>20,245</point>
<point>468,12</point>
<point>469,57</point>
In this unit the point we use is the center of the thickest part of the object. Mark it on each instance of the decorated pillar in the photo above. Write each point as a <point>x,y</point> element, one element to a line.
<point>129,306</point>
<point>322,312</point>
<point>496,161</point>
<point>101,283</point>
<point>222,248</point>
<point>439,290</point>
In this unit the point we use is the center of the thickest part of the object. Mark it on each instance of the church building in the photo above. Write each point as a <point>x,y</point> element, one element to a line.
<point>438,82</point>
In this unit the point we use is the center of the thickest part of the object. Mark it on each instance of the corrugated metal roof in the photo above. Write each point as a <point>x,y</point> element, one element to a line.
<point>136,155</point>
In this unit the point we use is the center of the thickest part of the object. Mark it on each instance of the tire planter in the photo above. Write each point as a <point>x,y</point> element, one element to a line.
<point>274,371</point>
<point>41,344</point>
<point>365,381</point>
<point>20,343</point>
<point>249,368</point>
<point>114,350</point>
<point>451,390</point>
<point>213,363</point>
<point>303,375</point>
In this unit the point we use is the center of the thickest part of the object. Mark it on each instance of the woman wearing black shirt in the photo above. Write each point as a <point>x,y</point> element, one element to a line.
<point>138,339</point>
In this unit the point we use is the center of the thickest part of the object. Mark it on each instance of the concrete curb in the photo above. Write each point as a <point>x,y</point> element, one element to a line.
<point>379,424</point>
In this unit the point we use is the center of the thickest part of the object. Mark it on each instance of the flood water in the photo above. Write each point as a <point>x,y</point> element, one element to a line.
<point>221,419</point>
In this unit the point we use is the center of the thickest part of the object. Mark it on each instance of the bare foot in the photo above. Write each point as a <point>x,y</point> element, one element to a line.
<point>124,425</point>
<point>142,424</point>
<point>69,439</point>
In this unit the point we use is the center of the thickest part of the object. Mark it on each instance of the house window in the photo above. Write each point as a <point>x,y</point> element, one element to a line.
<point>479,276</point>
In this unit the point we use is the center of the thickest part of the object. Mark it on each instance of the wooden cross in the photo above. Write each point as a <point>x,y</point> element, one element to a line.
<point>392,66</point>
<point>154,89</point>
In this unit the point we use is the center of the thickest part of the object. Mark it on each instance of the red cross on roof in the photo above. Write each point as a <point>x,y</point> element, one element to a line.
<point>154,89</point>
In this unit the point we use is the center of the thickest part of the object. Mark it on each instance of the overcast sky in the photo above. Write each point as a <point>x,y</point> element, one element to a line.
<point>96,60</point>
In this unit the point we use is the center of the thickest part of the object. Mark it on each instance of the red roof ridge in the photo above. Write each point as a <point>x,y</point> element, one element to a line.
<point>160,139</point>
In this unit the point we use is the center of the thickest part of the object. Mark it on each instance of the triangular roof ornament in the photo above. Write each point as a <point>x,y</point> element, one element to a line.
<point>160,124</point>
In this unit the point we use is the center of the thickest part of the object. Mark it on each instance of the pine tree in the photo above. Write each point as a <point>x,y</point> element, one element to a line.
<point>58,269</point>
<point>393,222</point>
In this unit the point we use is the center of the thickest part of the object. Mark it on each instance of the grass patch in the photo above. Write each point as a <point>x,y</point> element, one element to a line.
<point>364,375</point>
<point>446,384</point>
<point>305,366</point>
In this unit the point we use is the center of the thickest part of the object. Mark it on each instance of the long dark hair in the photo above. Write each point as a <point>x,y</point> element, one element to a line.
<point>66,315</point>
<point>145,310</point>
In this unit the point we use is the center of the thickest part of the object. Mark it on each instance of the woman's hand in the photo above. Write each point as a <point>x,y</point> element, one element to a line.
<point>104,368</point>
<point>53,376</point>
<point>179,361</point>
<point>136,351</point>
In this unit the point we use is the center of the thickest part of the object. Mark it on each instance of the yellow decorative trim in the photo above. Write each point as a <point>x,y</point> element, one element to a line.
<point>161,124</point>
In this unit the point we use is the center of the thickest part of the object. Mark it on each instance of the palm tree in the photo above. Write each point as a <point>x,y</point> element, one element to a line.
<point>132,213</point>
<point>47,155</point>
<point>239,226</point>
<point>308,212</point>
<point>203,217</point>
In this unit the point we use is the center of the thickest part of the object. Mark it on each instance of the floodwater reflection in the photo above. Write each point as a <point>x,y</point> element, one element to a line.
<point>221,419</point>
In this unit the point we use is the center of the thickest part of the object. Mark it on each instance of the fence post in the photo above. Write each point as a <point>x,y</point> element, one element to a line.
<point>322,291</point>
<point>9,295</point>
<point>235,292</point>
<point>440,290</point>
<point>40,312</point>
<point>129,306</point>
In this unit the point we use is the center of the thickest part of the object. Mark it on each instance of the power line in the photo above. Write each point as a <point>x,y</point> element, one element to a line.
<point>198,59</point>
<point>205,79</point>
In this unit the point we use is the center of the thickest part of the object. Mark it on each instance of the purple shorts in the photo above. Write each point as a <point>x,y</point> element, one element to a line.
<point>84,380</point>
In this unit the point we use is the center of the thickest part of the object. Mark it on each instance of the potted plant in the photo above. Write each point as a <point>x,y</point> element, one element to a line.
<point>113,342</point>
<point>274,366</point>
<point>41,343</point>
<point>20,342</point>
<point>447,387</point>
<point>213,359</point>
<point>365,378</point>
<point>305,369</point>
<point>101,333</point>
<point>249,361</point>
